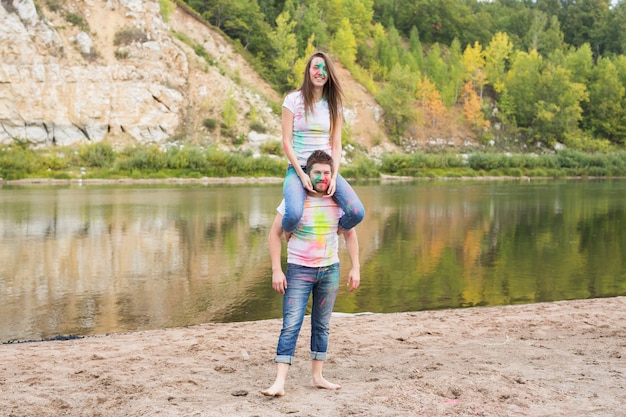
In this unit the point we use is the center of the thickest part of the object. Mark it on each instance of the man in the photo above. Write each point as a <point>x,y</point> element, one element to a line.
<point>312,268</point>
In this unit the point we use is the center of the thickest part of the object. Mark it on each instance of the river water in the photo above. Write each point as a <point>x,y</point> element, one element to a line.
<point>94,259</point>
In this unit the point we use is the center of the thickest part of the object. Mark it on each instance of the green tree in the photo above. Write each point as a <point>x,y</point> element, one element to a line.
<point>580,63</point>
<point>544,34</point>
<point>344,44</point>
<point>586,21</point>
<point>558,106</point>
<point>309,18</point>
<point>284,47</point>
<point>553,38</point>
<point>605,114</point>
<point>415,48</point>
<point>520,94</point>
<point>229,112</point>
<point>360,13</point>
<point>300,64</point>
<point>616,30</point>
<point>452,90</point>
<point>397,99</point>
<point>435,68</point>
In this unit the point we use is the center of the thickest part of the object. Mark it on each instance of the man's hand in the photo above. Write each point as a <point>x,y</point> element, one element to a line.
<point>354,279</point>
<point>279,282</point>
<point>352,243</point>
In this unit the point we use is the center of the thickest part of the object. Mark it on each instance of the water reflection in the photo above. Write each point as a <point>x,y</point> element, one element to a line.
<point>98,259</point>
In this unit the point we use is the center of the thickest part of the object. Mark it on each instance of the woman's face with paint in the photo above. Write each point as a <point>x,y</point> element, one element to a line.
<point>320,177</point>
<point>318,71</point>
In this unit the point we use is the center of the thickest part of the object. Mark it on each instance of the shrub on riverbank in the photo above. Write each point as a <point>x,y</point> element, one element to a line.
<point>100,160</point>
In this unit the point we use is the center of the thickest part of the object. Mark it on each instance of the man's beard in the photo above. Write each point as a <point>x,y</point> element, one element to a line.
<point>321,187</point>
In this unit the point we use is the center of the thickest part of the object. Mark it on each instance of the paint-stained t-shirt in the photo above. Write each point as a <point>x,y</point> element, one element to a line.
<point>315,242</point>
<point>310,132</point>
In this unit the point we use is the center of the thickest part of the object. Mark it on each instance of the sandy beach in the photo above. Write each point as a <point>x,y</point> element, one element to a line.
<point>551,359</point>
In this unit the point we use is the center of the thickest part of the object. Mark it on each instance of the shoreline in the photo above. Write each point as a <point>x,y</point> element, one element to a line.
<point>273,180</point>
<point>563,358</point>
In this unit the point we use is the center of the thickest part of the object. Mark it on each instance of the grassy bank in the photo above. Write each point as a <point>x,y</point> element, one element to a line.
<point>101,161</point>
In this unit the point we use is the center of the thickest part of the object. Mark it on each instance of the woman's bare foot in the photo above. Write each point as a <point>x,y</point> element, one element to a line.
<point>275,390</point>
<point>322,383</point>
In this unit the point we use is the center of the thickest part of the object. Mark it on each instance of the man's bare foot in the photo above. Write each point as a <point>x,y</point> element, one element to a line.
<point>274,391</point>
<point>322,383</point>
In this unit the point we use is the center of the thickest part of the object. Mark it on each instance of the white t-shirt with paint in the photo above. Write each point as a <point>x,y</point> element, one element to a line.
<point>315,242</point>
<point>310,132</point>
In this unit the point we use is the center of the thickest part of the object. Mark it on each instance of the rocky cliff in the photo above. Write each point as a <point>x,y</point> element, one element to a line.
<point>65,78</point>
<point>72,71</point>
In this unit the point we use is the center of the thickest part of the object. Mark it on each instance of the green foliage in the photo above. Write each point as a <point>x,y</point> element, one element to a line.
<point>606,114</point>
<point>186,158</point>
<point>97,155</point>
<point>229,113</point>
<point>344,43</point>
<point>18,162</point>
<point>77,20</point>
<point>513,44</point>
<point>209,124</point>
<point>198,49</point>
<point>258,127</point>
<point>166,7</point>
<point>149,158</point>
<point>362,168</point>
<point>129,35</point>
<point>122,54</point>
<point>397,99</point>
<point>284,52</point>
<point>274,147</point>
<point>54,5</point>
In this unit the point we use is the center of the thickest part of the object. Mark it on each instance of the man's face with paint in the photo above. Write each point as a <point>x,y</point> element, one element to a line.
<point>318,71</point>
<point>320,177</point>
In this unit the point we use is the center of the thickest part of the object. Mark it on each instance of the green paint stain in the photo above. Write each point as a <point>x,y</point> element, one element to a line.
<point>322,67</point>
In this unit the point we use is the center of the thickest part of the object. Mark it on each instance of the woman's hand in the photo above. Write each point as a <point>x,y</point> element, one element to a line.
<point>332,187</point>
<point>306,182</point>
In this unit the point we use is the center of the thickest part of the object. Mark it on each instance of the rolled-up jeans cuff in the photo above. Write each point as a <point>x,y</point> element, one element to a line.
<point>284,359</point>
<point>318,356</point>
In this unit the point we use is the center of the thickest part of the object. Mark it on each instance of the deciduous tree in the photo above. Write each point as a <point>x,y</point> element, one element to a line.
<point>497,55</point>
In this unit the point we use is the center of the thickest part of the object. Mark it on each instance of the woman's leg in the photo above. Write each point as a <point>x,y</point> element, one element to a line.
<point>349,201</point>
<point>294,194</point>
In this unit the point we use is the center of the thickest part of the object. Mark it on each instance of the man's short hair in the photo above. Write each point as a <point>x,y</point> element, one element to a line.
<point>319,157</point>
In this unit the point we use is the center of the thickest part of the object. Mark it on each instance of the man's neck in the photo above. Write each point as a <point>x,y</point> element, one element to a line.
<point>315,194</point>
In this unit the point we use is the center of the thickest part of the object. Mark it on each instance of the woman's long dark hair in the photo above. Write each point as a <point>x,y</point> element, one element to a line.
<point>332,90</point>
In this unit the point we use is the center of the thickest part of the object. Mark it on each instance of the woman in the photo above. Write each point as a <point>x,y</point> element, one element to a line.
<point>312,118</point>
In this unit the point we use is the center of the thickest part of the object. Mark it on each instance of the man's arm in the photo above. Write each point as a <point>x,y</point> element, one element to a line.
<point>352,244</point>
<point>279,281</point>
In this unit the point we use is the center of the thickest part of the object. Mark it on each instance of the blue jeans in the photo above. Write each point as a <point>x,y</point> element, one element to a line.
<point>294,194</point>
<point>323,282</point>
